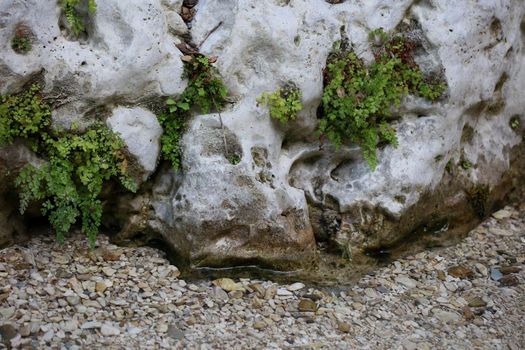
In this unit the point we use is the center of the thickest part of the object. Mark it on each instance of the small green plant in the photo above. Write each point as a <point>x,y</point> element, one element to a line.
<point>515,122</point>
<point>72,15</point>
<point>357,99</point>
<point>205,91</point>
<point>235,159</point>
<point>69,184</point>
<point>284,102</point>
<point>466,164</point>
<point>21,44</point>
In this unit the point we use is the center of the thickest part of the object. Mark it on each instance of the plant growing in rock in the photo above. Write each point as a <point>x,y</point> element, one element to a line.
<point>284,102</point>
<point>73,16</point>
<point>357,99</point>
<point>69,184</point>
<point>205,91</point>
<point>515,122</point>
<point>21,44</point>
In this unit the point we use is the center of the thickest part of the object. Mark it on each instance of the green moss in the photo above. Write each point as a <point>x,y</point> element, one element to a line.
<point>357,99</point>
<point>69,184</point>
<point>205,91</point>
<point>284,103</point>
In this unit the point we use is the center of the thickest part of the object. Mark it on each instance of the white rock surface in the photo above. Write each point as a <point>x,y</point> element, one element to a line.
<point>141,132</point>
<point>285,189</point>
<point>129,55</point>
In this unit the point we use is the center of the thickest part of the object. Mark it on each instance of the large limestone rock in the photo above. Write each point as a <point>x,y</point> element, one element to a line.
<point>457,158</point>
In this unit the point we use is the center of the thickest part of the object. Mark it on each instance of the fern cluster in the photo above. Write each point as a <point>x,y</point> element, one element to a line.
<point>72,15</point>
<point>69,184</point>
<point>205,91</point>
<point>284,103</point>
<point>357,98</point>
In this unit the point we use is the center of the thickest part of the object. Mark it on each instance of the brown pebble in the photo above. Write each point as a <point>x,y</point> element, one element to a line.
<point>509,281</point>
<point>506,270</point>
<point>477,302</point>
<point>344,327</point>
<point>307,305</point>
<point>467,313</point>
<point>260,325</point>
<point>441,275</point>
<point>461,272</point>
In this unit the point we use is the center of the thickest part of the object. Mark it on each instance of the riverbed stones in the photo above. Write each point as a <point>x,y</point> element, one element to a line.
<point>169,312</point>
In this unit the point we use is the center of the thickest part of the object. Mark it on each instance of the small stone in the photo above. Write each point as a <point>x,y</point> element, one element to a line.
<point>270,292</point>
<point>506,270</point>
<point>228,284</point>
<point>109,330</point>
<point>91,325</point>
<point>358,306</point>
<point>467,313</point>
<point>70,325</point>
<point>25,330</point>
<point>441,275</point>
<point>406,281</point>
<point>143,285</point>
<point>307,305</point>
<point>461,272</point>
<point>343,327</point>
<point>482,269</point>
<point>495,274</point>
<point>295,287</point>
<point>502,214</point>
<point>100,287</point>
<point>36,276</point>
<point>73,300</point>
<point>175,333</point>
<point>257,303</point>
<point>477,302</point>
<point>257,288</point>
<point>49,290</point>
<point>108,271</point>
<point>7,332</point>
<point>509,281</point>
<point>6,312</point>
<point>162,328</point>
<point>48,336</point>
<point>284,292</point>
<point>446,316</point>
<point>260,325</point>
<point>219,294</point>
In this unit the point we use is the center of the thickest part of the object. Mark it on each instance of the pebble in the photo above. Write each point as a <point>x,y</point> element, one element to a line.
<point>108,271</point>
<point>406,281</point>
<point>109,330</point>
<point>307,305</point>
<point>134,298</point>
<point>295,287</point>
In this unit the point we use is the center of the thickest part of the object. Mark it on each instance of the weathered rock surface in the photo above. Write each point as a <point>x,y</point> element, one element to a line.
<point>457,159</point>
<point>141,132</point>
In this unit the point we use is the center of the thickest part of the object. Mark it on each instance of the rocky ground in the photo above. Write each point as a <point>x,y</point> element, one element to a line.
<point>469,296</point>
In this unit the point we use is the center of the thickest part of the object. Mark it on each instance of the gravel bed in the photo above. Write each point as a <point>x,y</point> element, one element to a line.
<point>468,296</point>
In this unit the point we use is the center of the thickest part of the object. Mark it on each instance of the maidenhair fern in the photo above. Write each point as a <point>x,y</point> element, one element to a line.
<point>357,98</point>
<point>77,166</point>
<point>205,91</point>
